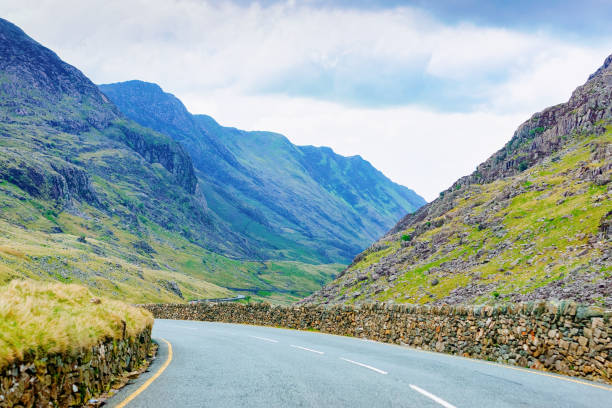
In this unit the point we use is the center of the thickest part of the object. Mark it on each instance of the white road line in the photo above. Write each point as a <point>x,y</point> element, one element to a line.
<point>183,328</point>
<point>364,365</point>
<point>307,349</point>
<point>265,339</point>
<point>433,397</point>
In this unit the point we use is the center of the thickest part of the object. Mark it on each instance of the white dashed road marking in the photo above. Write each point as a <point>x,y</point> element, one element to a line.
<point>265,339</point>
<point>307,349</point>
<point>433,397</point>
<point>364,365</point>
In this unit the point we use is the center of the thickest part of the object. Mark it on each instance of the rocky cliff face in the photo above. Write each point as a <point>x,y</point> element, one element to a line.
<point>51,84</point>
<point>37,87</point>
<point>64,142</point>
<point>531,222</point>
<point>293,202</point>
<point>156,149</point>
<point>53,180</point>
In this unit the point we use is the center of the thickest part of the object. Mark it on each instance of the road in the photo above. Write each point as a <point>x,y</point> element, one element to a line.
<point>229,365</point>
<point>218,300</point>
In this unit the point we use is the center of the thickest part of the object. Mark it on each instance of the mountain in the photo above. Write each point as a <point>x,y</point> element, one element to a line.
<point>90,196</point>
<point>292,202</point>
<point>534,221</point>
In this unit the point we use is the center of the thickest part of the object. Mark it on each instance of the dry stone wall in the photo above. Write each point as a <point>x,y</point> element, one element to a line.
<point>71,379</point>
<point>564,337</point>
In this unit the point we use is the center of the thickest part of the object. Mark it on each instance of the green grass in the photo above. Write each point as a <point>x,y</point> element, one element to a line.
<point>539,230</point>
<point>109,265</point>
<point>138,208</point>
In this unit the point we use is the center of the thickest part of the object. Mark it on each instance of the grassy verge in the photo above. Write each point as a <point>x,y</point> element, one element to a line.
<point>56,318</point>
<point>503,239</point>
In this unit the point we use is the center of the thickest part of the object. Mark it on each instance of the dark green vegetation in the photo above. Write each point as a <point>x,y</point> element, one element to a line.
<point>532,222</point>
<point>291,202</point>
<point>90,196</point>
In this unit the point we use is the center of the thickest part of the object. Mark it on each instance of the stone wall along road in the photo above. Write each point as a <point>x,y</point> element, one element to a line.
<point>565,337</point>
<point>70,379</point>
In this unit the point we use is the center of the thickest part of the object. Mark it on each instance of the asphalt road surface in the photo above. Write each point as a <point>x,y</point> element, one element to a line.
<point>230,365</point>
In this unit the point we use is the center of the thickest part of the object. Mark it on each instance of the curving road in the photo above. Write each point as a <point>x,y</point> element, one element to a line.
<point>228,365</point>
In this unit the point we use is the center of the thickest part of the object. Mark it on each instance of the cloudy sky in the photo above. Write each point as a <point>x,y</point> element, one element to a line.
<point>424,92</point>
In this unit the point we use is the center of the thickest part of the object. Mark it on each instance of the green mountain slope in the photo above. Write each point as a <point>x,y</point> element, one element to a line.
<point>292,202</point>
<point>532,222</point>
<point>88,196</point>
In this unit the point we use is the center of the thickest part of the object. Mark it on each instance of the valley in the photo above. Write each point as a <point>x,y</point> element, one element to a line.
<point>211,204</point>
<point>175,207</point>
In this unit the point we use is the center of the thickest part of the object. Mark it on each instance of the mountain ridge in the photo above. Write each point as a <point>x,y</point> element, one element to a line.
<point>89,196</point>
<point>289,195</point>
<point>92,197</point>
<point>532,222</point>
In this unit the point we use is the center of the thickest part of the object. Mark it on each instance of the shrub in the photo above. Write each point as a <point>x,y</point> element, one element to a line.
<point>50,215</point>
<point>537,131</point>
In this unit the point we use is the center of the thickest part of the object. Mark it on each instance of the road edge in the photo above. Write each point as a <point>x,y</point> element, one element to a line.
<point>129,398</point>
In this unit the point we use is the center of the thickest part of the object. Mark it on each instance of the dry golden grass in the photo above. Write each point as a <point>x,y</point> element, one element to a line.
<point>12,251</point>
<point>53,317</point>
<point>5,272</point>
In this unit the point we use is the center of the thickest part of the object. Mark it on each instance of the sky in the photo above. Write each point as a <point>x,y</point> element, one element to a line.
<point>423,90</point>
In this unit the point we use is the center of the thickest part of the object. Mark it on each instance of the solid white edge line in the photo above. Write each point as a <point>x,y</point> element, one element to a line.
<point>307,349</point>
<point>433,397</point>
<point>364,365</point>
<point>265,339</point>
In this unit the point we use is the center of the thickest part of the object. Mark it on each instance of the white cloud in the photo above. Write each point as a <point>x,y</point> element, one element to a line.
<point>218,56</point>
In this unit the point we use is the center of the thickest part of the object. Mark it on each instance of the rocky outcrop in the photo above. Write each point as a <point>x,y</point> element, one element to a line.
<point>171,286</point>
<point>605,226</point>
<point>46,178</point>
<point>587,111</point>
<point>528,224</point>
<point>546,132</point>
<point>51,84</point>
<point>71,379</point>
<point>38,87</point>
<point>566,338</point>
<point>157,148</point>
<point>77,181</point>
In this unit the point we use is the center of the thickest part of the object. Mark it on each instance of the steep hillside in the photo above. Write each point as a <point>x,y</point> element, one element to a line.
<point>532,222</point>
<point>292,202</point>
<point>89,196</point>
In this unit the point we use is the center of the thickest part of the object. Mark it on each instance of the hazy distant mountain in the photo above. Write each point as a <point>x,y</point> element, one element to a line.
<point>293,202</point>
